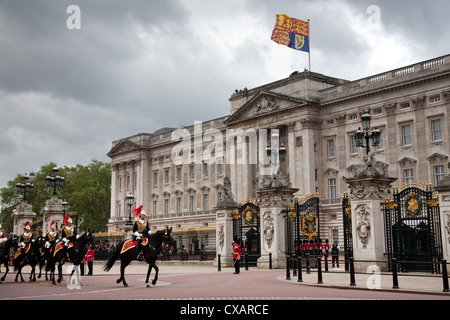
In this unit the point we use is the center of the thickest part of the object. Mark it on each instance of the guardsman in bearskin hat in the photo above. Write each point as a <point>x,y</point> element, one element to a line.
<point>140,226</point>
<point>51,236</point>
<point>236,255</point>
<point>68,231</point>
<point>2,235</point>
<point>27,236</point>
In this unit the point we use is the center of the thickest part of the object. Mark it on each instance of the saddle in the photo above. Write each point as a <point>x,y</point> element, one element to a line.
<point>19,251</point>
<point>60,245</point>
<point>133,243</point>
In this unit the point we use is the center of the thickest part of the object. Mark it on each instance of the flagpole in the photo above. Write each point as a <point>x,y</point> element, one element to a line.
<point>309,49</point>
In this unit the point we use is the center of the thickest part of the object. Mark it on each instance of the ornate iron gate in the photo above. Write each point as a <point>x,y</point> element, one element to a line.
<point>413,233</point>
<point>302,225</point>
<point>348,237</point>
<point>246,227</point>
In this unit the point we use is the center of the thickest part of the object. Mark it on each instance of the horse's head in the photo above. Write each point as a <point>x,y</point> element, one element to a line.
<point>167,237</point>
<point>90,238</point>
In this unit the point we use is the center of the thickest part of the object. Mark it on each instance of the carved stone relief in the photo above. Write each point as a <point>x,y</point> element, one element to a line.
<point>269,228</point>
<point>363,224</point>
<point>221,236</point>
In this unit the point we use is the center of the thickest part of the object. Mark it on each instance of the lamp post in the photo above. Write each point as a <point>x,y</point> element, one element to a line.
<point>55,180</point>
<point>366,134</point>
<point>64,206</point>
<point>130,198</point>
<point>24,186</point>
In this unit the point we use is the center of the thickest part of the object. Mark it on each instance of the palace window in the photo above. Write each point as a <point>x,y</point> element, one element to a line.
<point>192,172</point>
<point>192,203</point>
<point>330,144</point>
<point>406,135</point>
<point>166,176</point>
<point>155,207</point>
<point>436,130</point>
<point>408,175</point>
<point>179,174</point>
<point>353,145</point>
<point>178,204</point>
<point>206,202</point>
<point>166,206</point>
<point>332,188</point>
<point>438,174</point>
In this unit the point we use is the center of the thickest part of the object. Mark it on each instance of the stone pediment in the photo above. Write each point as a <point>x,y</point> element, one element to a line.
<point>264,103</point>
<point>437,158</point>
<point>124,145</point>
<point>407,162</point>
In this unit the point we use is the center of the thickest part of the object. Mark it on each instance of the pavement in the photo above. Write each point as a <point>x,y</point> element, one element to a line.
<point>334,278</point>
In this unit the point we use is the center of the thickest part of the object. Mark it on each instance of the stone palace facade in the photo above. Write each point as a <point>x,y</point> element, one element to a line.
<point>177,174</point>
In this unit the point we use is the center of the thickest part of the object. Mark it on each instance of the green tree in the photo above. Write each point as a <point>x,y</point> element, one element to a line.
<point>86,189</point>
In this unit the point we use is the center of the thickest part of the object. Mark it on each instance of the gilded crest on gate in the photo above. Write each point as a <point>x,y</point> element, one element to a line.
<point>413,205</point>
<point>310,225</point>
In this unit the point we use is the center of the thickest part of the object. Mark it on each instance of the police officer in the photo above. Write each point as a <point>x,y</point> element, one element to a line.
<point>335,253</point>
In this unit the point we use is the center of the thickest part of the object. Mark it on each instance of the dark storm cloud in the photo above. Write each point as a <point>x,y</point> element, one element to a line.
<point>136,66</point>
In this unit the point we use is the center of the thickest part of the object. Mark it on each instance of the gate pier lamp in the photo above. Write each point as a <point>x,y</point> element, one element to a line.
<point>24,187</point>
<point>366,134</point>
<point>130,198</point>
<point>54,180</point>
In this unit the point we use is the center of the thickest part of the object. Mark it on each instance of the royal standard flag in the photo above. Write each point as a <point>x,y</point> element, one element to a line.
<point>291,32</point>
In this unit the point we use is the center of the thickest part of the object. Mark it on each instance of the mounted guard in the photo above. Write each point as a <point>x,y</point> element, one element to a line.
<point>51,237</point>
<point>140,227</point>
<point>68,231</point>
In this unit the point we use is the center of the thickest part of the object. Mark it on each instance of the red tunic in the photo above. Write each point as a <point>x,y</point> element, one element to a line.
<point>236,251</point>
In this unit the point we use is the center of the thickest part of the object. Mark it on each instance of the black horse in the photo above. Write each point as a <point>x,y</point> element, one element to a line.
<point>75,253</point>
<point>28,255</point>
<point>5,254</point>
<point>151,250</point>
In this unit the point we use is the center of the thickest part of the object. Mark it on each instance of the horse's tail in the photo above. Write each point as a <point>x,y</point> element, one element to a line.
<point>113,258</point>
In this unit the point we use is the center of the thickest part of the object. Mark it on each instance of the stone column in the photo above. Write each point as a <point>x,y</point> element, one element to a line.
<point>274,195</point>
<point>444,210</point>
<point>53,210</point>
<point>21,214</point>
<point>224,234</point>
<point>224,225</point>
<point>366,194</point>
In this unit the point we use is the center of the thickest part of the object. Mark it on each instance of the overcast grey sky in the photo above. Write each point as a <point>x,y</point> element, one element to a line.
<point>139,65</point>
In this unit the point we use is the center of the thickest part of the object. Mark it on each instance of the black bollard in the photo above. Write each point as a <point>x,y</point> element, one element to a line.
<point>288,273</point>
<point>308,267</point>
<point>326,262</point>
<point>352,272</point>
<point>219,266</point>
<point>246,261</point>
<point>270,260</point>
<point>319,271</point>
<point>299,265</point>
<point>445,275</point>
<point>394,274</point>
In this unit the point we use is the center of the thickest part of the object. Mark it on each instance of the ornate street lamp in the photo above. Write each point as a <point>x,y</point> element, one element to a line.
<point>64,206</point>
<point>55,180</point>
<point>130,204</point>
<point>366,134</point>
<point>24,186</point>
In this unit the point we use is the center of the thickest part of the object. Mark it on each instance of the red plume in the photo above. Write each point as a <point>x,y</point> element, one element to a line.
<point>66,218</point>
<point>27,224</point>
<point>138,210</point>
